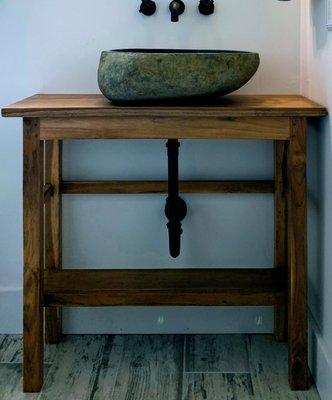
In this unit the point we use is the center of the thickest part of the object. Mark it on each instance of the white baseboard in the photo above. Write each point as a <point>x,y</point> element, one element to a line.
<point>320,360</point>
<point>144,319</point>
<point>11,310</point>
<point>169,320</point>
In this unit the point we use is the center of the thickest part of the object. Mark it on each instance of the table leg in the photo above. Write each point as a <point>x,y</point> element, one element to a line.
<point>53,172</point>
<point>33,341</point>
<point>297,256</point>
<point>280,256</point>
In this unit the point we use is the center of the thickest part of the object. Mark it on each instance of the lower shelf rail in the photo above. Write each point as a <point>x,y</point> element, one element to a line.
<point>164,287</point>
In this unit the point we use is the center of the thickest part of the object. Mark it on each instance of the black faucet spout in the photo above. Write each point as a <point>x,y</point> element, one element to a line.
<point>176,8</point>
<point>174,16</point>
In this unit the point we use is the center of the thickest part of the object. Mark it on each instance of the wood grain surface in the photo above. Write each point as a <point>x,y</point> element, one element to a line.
<point>142,187</point>
<point>297,256</point>
<point>216,353</point>
<point>164,287</point>
<point>53,232</point>
<point>164,127</point>
<point>33,201</point>
<point>92,105</point>
<point>280,231</point>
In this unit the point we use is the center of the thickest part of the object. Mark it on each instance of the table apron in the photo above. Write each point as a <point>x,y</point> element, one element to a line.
<point>168,127</point>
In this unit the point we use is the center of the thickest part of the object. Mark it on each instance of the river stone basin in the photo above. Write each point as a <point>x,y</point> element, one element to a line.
<point>141,75</point>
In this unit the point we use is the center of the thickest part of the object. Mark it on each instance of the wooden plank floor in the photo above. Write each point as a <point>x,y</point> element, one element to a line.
<point>154,367</point>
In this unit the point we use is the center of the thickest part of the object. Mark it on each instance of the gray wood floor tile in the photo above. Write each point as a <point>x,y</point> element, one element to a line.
<point>11,382</point>
<point>74,368</point>
<point>150,368</point>
<point>11,349</point>
<point>216,353</point>
<point>104,384</point>
<point>217,386</point>
<point>269,368</point>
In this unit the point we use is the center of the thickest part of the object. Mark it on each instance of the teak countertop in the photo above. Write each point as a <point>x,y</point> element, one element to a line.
<point>94,105</point>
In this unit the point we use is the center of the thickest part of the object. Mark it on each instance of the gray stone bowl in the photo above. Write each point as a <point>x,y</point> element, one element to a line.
<point>143,75</point>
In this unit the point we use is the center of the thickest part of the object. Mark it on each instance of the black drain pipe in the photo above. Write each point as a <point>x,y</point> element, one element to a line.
<point>176,208</point>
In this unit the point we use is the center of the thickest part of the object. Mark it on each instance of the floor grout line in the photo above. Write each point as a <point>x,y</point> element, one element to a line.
<point>218,372</point>
<point>99,362</point>
<point>118,366</point>
<point>184,361</point>
<point>45,379</point>
<point>247,342</point>
<point>20,363</point>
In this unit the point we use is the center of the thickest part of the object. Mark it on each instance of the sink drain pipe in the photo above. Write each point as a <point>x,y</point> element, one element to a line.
<point>176,208</point>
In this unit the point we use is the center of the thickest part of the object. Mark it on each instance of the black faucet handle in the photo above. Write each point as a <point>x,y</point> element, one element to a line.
<point>206,7</point>
<point>148,7</point>
<point>176,8</point>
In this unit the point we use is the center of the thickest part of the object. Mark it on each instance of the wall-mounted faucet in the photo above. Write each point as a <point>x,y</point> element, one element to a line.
<point>176,8</point>
<point>148,7</point>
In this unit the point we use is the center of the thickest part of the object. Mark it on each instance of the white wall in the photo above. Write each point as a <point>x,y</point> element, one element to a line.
<point>54,46</point>
<point>316,83</point>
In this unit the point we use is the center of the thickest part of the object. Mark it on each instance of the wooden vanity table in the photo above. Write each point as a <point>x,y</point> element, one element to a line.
<point>50,119</point>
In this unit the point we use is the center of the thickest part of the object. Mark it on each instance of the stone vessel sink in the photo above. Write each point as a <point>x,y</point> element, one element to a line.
<point>142,75</point>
